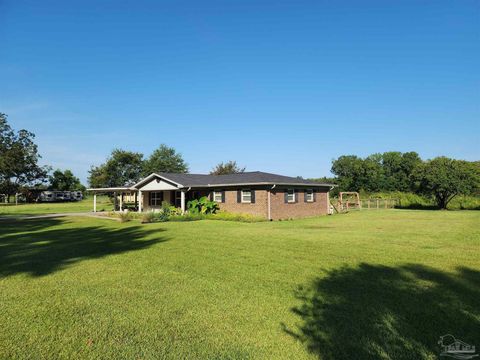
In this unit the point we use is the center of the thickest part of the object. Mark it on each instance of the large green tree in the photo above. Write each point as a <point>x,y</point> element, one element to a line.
<point>349,171</point>
<point>390,171</point>
<point>398,168</point>
<point>65,181</point>
<point>225,168</point>
<point>444,178</point>
<point>121,168</point>
<point>165,159</point>
<point>18,159</point>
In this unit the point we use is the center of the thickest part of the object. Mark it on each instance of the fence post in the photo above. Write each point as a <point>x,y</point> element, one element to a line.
<point>378,204</point>
<point>386,203</point>
<point>368,203</point>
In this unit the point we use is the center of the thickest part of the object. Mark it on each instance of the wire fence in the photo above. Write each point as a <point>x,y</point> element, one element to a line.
<point>365,204</point>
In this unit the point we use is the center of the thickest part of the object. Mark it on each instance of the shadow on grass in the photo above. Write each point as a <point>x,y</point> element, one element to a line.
<point>35,248</point>
<point>417,207</point>
<point>379,312</point>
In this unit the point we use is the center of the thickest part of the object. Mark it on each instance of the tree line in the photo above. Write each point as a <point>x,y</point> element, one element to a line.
<point>441,178</point>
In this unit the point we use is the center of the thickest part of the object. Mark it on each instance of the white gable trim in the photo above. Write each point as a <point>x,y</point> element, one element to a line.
<point>152,176</point>
<point>158,184</point>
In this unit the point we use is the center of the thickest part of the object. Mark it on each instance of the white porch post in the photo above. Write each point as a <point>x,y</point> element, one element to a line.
<point>182,201</point>
<point>140,200</point>
<point>121,201</point>
<point>95,202</point>
<point>114,201</point>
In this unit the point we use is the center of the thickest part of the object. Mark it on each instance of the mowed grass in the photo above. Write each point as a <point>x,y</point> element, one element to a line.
<point>85,205</point>
<point>364,285</point>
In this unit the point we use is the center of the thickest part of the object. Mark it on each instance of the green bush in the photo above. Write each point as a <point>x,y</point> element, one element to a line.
<point>225,216</point>
<point>165,213</point>
<point>188,217</point>
<point>125,216</point>
<point>202,206</point>
<point>161,216</point>
<point>148,217</point>
<point>170,210</point>
<point>464,202</point>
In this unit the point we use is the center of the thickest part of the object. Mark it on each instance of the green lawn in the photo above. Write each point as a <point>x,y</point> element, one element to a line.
<point>103,203</point>
<point>364,285</point>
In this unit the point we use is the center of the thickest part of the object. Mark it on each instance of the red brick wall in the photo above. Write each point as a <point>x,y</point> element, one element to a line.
<point>259,208</point>
<point>281,210</point>
<point>278,208</point>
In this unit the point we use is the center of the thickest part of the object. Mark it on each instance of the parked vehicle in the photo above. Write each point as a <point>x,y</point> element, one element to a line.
<point>67,196</point>
<point>47,196</point>
<point>60,196</point>
<point>76,195</point>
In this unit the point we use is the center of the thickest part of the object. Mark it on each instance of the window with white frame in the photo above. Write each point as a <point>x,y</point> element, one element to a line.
<point>217,196</point>
<point>246,196</point>
<point>156,198</point>
<point>309,195</point>
<point>291,195</point>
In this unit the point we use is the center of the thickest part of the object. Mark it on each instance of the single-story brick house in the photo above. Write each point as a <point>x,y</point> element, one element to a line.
<point>257,193</point>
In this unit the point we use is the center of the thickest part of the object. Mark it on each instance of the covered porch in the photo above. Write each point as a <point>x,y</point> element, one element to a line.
<point>148,195</point>
<point>141,200</point>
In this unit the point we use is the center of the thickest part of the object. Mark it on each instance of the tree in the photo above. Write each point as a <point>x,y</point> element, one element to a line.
<point>398,169</point>
<point>18,159</point>
<point>122,168</point>
<point>65,181</point>
<point>165,159</point>
<point>445,178</point>
<point>229,167</point>
<point>373,175</point>
<point>390,171</point>
<point>410,161</point>
<point>349,172</point>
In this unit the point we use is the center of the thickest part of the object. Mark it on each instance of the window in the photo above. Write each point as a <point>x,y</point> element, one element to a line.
<point>291,195</point>
<point>156,198</point>
<point>309,195</point>
<point>217,196</point>
<point>246,196</point>
<point>178,199</point>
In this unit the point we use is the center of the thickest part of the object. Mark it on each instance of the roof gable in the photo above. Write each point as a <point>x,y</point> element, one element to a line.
<point>158,184</point>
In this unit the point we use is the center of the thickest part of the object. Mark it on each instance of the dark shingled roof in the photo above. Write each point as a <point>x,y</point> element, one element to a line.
<point>245,178</point>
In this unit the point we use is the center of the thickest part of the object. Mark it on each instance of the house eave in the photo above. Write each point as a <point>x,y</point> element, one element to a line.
<point>331,186</point>
<point>112,189</point>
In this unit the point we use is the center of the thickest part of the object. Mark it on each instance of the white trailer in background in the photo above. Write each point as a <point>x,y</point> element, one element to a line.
<point>53,196</point>
<point>47,196</point>
<point>67,196</point>
<point>76,195</point>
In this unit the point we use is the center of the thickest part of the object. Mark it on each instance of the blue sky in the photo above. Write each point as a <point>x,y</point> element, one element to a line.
<point>278,86</point>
